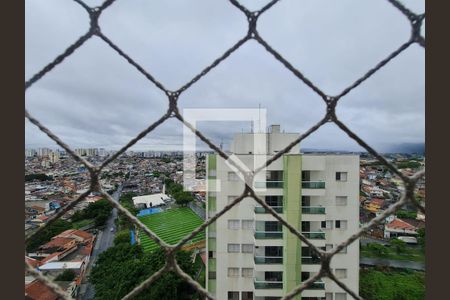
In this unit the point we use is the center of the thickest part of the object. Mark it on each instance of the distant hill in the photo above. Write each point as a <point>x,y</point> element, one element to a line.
<point>408,148</point>
<point>405,148</point>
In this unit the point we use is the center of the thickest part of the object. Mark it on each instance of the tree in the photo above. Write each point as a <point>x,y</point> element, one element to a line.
<point>127,201</point>
<point>404,214</point>
<point>123,266</point>
<point>391,285</point>
<point>399,246</point>
<point>99,211</point>
<point>183,198</point>
<point>67,275</point>
<point>421,237</point>
<point>122,237</point>
<point>377,249</point>
<point>38,176</point>
<point>47,233</point>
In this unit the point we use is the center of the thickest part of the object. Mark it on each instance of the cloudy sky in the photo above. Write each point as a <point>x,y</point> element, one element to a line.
<point>96,99</point>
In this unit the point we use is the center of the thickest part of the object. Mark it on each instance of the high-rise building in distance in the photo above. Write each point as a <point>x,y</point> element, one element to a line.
<point>250,254</point>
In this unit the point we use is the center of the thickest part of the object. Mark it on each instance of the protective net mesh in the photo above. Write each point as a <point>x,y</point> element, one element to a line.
<point>409,182</point>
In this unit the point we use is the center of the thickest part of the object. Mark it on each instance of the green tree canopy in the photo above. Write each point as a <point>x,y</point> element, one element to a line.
<point>47,233</point>
<point>122,267</point>
<point>67,275</point>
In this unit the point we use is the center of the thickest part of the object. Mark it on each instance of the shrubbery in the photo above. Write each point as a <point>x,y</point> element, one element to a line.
<point>122,267</point>
<point>392,285</point>
<point>99,211</point>
<point>47,233</point>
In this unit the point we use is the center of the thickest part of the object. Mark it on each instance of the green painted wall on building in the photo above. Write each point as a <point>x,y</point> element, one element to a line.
<point>292,213</point>
<point>211,206</point>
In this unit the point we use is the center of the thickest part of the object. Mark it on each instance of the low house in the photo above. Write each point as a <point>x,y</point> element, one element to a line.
<point>58,244</point>
<point>39,220</point>
<point>398,227</point>
<point>36,290</point>
<point>79,235</point>
<point>374,205</point>
<point>151,200</point>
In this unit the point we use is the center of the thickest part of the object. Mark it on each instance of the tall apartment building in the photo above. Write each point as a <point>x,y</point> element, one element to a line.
<point>250,255</point>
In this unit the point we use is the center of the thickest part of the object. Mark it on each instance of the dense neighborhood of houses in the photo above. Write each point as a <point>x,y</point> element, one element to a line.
<point>53,180</point>
<point>380,188</point>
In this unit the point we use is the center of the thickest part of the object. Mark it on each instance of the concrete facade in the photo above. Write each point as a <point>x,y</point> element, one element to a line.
<point>250,256</point>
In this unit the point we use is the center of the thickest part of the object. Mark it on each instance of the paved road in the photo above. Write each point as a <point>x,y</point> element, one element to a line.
<point>105,239</point>
<point>392,263</point>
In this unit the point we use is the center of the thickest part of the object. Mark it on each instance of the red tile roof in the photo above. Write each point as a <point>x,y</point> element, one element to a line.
<point>80,233</point>
<point>33,262</point>
<point>377,201</point>
<point>57,242</point>
<point>42,218</point>
<point>400,224</point>
<point>36,290</point>
<point>38,208</point>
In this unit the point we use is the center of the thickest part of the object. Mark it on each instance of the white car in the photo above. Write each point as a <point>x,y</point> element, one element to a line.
<point>112,229</point>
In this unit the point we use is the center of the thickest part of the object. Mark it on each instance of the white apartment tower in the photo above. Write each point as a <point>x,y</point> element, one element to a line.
<point>250,255</point>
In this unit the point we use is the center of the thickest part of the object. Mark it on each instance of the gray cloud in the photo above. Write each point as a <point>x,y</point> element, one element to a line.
<point>95,98</point>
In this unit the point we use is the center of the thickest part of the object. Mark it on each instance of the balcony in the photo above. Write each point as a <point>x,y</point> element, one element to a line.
<point>262,210</point>
<point>319,235</point>
<point>313,184</point>
<point>309,260</point>
<point>317,285</point>
<point>268,260</point>
<point>269,184</point>
<point>268,284</point>
<point>269,234</point>
<point>313,210</point>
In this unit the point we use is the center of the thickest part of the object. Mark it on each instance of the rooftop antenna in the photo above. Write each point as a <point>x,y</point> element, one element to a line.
<point>221,144</point>
<point>251,126</point>
<point>259,118</point>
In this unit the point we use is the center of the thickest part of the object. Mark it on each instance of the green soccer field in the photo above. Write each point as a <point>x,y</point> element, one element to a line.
<point>171,226</point>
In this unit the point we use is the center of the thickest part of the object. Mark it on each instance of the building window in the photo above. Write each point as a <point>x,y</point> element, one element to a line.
<point>211,254</point>
<point>247,272</point>
<point>274,200</point>
<point>247,248</point>
<point>340,296</point>
<point>273,226</point>
<point>341,273</point>
<point>248,224</point>
<point>341,176</point>
<point>212,173</point>
<point>233,272</point>
<point>232,176</point>
<point>274,176</point>
<point>328,296</point>
<point>326,224</point>
<point>234,248</point>
<point>234,224</point>
<point>233,295</point>
<point>247,296</point>
<point>341,224</point>
<point>328,247</point>
<point>341,200</point>
<point>211,275</point>
<point>273,276</point>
